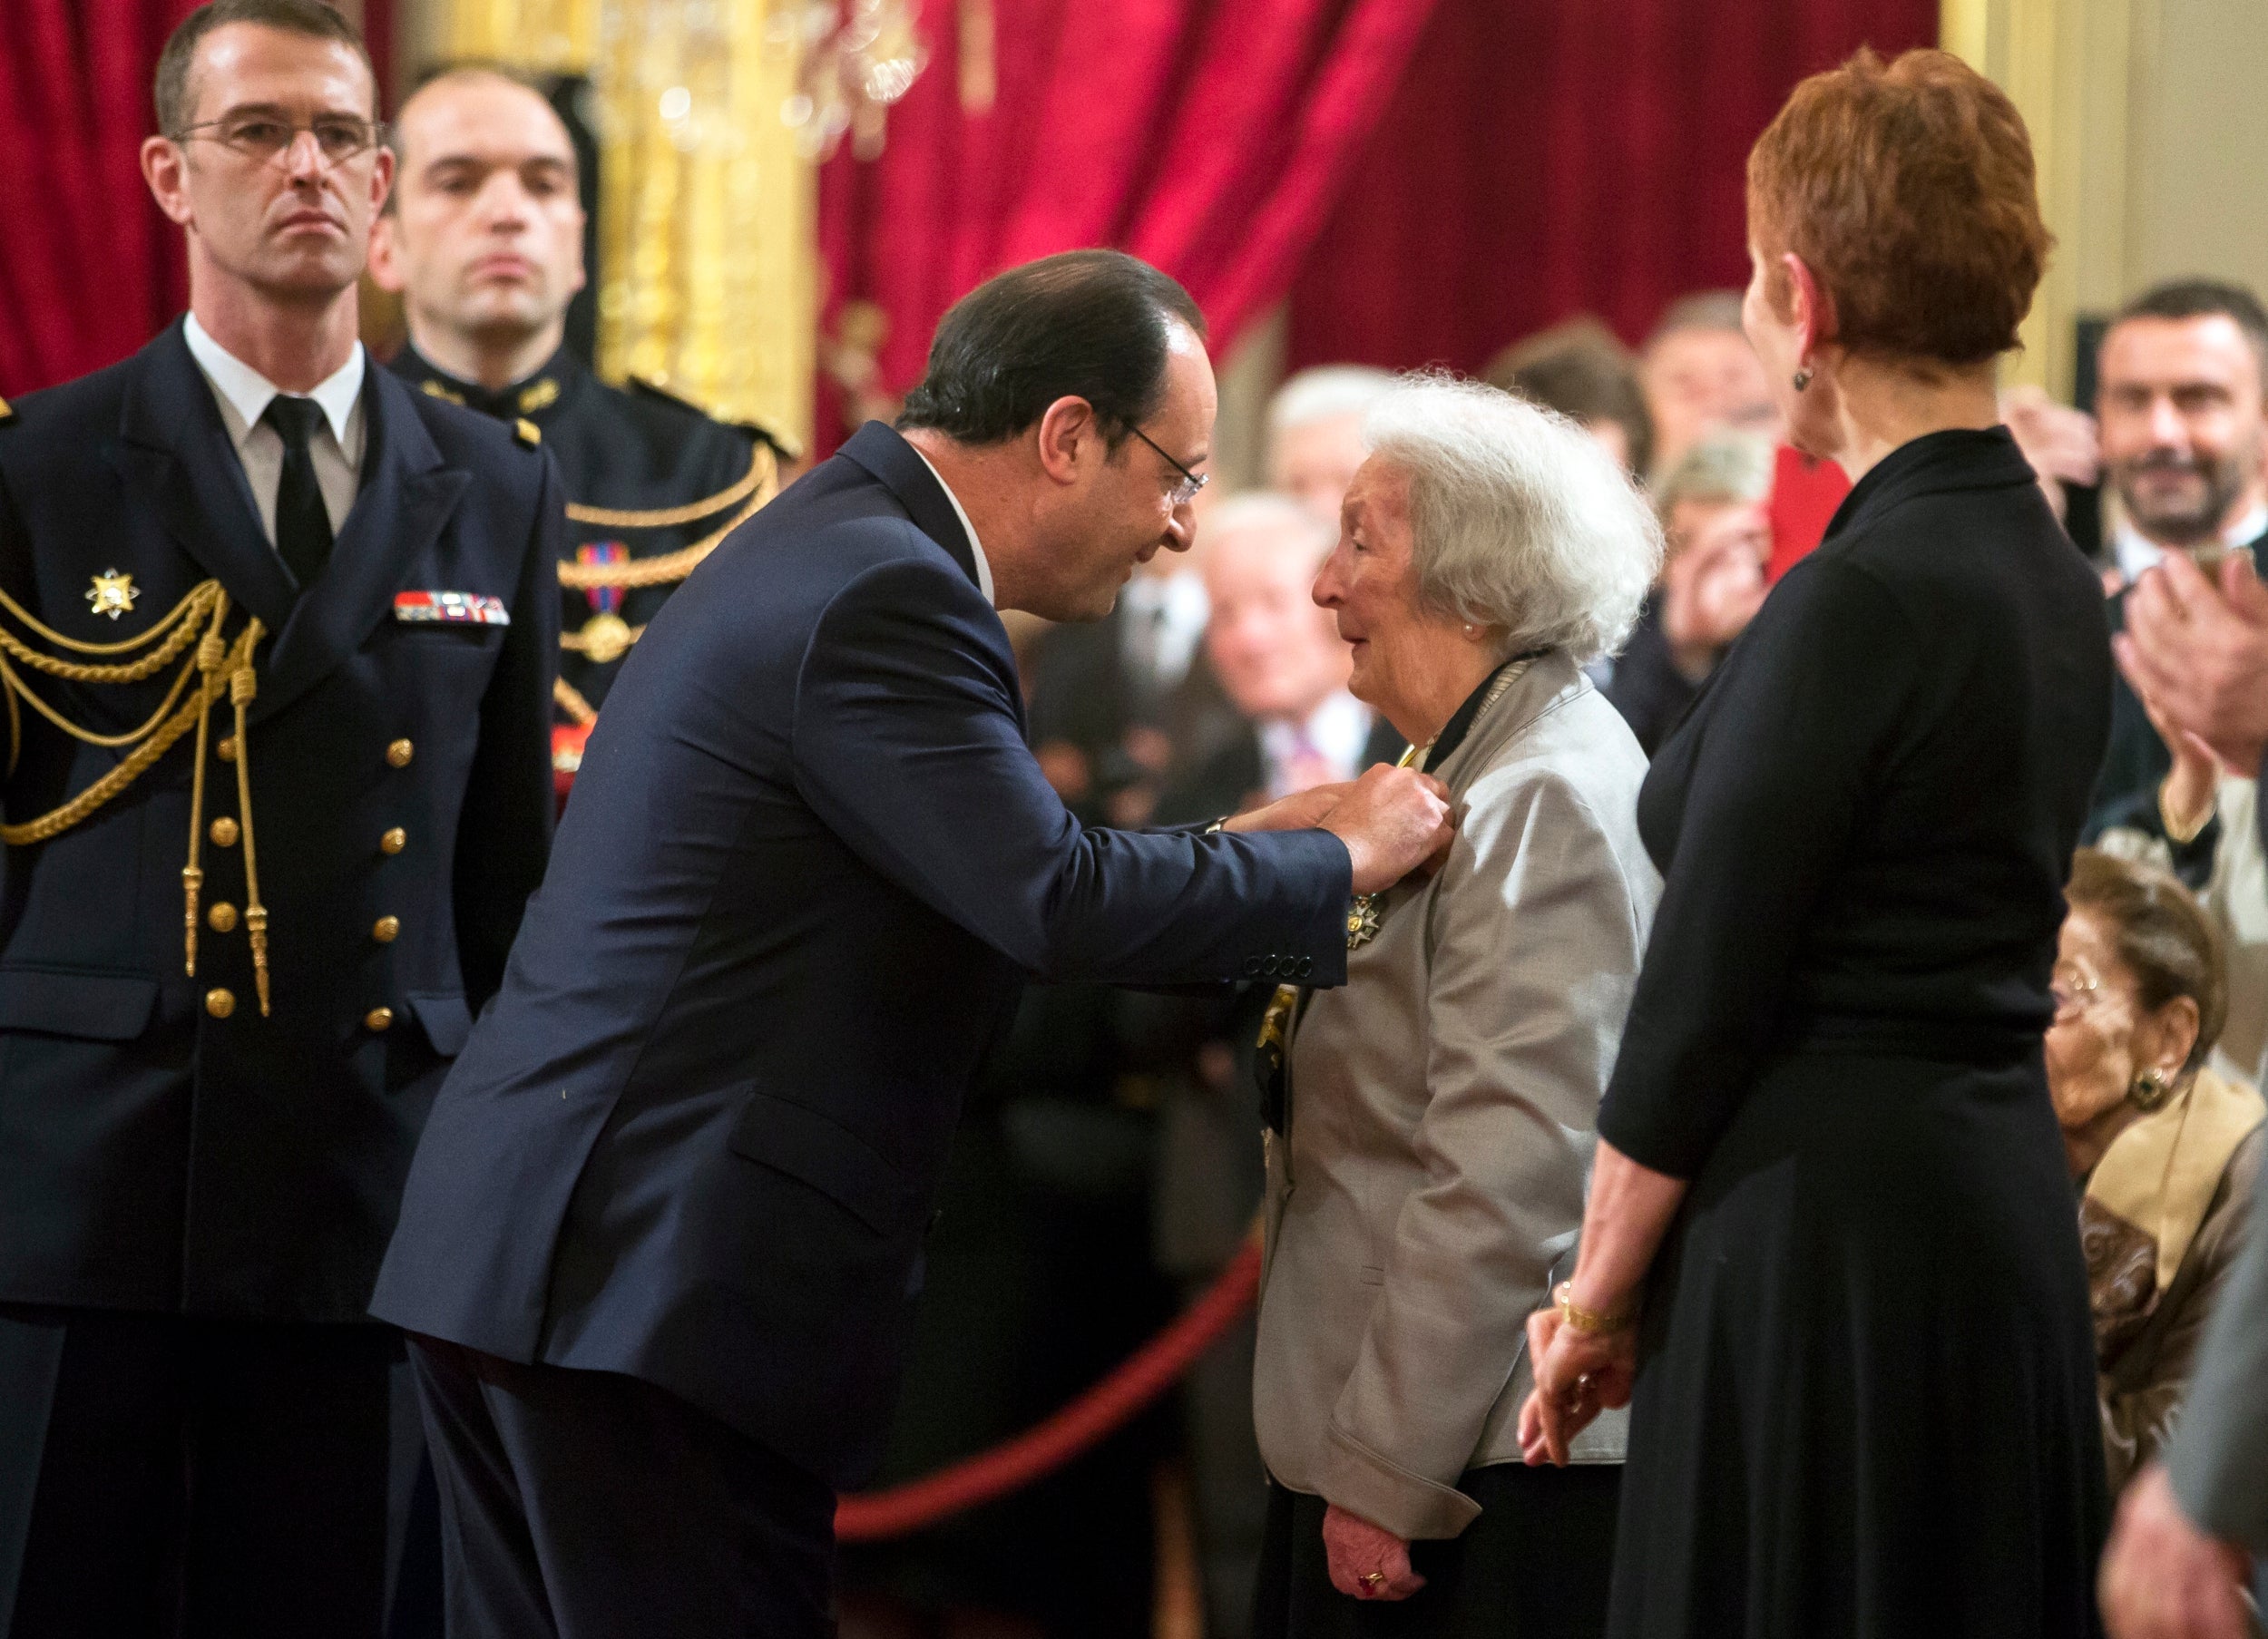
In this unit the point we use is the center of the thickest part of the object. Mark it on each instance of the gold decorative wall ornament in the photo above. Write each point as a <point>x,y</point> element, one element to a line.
<point>708,225</point>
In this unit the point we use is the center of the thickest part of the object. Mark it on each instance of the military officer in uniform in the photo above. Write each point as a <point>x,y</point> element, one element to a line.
<point>483,240</point>
<point>275,646</point>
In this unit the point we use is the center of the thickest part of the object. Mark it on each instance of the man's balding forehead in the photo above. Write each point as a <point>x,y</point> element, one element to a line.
<point>455,82</point>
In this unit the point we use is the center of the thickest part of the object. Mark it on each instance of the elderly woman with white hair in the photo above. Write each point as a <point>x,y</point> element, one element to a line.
<point>1431,1123</point>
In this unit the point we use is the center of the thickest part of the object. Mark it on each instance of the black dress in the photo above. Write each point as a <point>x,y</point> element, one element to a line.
<point>1865,1401</point>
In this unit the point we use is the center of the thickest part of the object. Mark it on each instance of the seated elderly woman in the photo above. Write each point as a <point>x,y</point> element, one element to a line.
<point>2164,1148</point>
<point>1432,1122</point>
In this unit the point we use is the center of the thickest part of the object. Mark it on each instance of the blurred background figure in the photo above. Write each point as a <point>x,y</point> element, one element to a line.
<point>1315,433</point>
<point>2164,1148</point>
<point>1719,537</point>
<point>1580,368</point>
<point>2179,397</point>
<point>1699,374</point>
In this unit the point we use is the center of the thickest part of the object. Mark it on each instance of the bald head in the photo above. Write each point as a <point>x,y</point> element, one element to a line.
<point>484,238</point>
<point>1276,653</point>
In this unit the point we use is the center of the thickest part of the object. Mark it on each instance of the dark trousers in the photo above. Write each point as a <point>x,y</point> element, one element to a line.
<point>584,1505</point>
<point>162,1475</point>
<point>1534,1565</point>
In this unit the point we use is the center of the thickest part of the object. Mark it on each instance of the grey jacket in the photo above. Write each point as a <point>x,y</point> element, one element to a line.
<point>1442,1122</point>
<point>2218,1460</point>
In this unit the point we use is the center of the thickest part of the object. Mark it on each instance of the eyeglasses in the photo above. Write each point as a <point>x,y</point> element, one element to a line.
<point>1182,493</point>
<point>2073,988</point>
<point>268,138</point>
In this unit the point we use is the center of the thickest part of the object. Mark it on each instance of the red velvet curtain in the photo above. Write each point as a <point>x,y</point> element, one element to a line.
<point>90,269</point>
<point>1207,136</point>
<point>1540,159</point>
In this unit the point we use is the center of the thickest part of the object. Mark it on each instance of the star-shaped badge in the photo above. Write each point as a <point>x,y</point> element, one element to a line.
<point>112,594</point>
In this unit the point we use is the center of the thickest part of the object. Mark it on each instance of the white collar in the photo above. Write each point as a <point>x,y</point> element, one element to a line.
<point>1338,730</point>
<point>248,392</point>
<point>976,547</point>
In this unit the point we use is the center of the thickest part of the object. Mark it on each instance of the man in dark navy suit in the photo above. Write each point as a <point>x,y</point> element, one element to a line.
<point>660,1244</point>
<point>280,634</point>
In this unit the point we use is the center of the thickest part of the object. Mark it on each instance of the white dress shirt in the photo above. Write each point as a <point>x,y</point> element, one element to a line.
<point>976,547</point>
<point>2136,552</point>
<point>1164,617</point>
<point>1335,731</point>
<point>335,449</point>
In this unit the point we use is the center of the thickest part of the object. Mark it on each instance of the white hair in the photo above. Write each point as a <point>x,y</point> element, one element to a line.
<point>1522,522</point>
<point>1265,513</point>
<point>1326,393</point>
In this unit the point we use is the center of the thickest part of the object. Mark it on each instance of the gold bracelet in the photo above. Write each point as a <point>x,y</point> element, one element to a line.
<point>1574,1316</point>
<point>2181,837</point>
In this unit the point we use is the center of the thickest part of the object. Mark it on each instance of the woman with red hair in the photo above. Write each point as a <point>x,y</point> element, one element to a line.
<point>1828,1254</point>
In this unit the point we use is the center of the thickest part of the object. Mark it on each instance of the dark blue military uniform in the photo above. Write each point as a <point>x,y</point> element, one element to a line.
<point>651,481</point>
<point>195,1189</point>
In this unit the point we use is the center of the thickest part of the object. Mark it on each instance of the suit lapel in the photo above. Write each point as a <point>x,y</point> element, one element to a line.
<point>899,467</point>
<point>175,456</point>
<point>405,498</point>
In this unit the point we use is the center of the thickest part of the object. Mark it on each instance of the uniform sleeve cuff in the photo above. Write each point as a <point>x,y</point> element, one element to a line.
<point>1355,1478</point>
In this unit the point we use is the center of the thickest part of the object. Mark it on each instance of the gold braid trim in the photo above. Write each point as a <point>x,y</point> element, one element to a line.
<point>197,598</point>
<point>569,699</point>
<point>58,820</point>
<point>763,467</point>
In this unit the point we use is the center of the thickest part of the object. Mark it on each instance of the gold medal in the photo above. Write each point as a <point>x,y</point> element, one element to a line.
<point>1361,921</point>
<point>605,639</point>
<point>112,594</point>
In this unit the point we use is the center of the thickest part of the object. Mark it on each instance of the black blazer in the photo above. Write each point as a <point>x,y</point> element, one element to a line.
<point>155,1156</point>
<point>808,864</point>
<point>633,448</point>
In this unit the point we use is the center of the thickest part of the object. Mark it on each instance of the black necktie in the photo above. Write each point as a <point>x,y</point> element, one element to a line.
<point>303,523</point>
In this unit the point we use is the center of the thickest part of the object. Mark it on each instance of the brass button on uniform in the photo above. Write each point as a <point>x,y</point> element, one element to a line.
<point>221,917</point>
<point>386,930</point>
<point>220,1004</point>
<point>394,840</point>
<point>399,753</point>
<point>223,833</point>
<point>225,750</point>
<point>378,1019</point>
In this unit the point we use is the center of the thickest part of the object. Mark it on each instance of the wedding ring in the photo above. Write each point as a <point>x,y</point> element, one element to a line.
<point>1374,1579</point>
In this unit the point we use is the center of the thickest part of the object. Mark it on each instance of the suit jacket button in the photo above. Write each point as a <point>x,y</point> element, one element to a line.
<point>394,840</point>
<point>220,1004</point>
<point>399,753</point>
<point>386,930</point>
<point>223,833</point>
<point>1252,967</point>
<point>1307,966</point>
<point>378,1019</point>
<point>221,917</point>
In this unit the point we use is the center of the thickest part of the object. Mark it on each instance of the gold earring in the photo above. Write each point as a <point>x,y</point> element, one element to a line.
<point>1802,378</point>
<point>2149,1089</point>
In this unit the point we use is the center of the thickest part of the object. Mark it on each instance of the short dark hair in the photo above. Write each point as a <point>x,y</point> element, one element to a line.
<point>2162,935</point>
<point>1084,324</point>
<point>2205,299</point>
<point>1580,368</point>
<point>309,17</point>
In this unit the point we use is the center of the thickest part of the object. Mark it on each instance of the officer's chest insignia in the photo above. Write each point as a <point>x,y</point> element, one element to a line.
<point>433,389</point>
<point>450,609</point>
<point>538,395</point>
<point>112,594</point>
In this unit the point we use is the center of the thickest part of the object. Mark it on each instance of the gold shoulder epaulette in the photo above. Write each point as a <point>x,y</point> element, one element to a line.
<point>762,430</point>
<point>527,433</point>
<point>759,480</point>
<point>8,412</point>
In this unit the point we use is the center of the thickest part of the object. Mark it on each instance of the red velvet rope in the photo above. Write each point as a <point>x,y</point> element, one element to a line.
<point>1144,1376</point>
